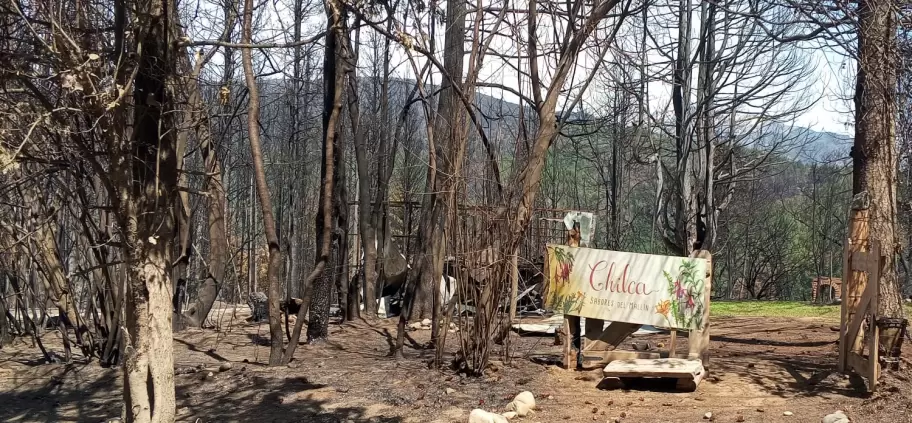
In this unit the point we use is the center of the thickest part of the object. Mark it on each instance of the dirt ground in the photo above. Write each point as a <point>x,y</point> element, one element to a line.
<point>760,369</point>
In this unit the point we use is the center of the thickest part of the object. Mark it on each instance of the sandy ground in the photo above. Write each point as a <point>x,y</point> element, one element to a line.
<point>760,369</point>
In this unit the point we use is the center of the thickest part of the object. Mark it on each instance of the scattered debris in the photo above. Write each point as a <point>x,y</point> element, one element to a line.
<point>184,370</point>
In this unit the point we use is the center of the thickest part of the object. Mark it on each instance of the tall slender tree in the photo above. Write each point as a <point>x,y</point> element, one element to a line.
<point>262,188</point>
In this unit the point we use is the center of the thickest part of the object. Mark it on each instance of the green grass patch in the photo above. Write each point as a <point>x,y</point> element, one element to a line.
<point>777,309</point>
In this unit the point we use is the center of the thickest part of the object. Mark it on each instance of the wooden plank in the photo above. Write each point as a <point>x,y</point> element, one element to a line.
<point>865,261</point>
<point>600,338</point>
<point>858,363</point>
<point>874,331</point>
<point>842,363</point>
<point>656,368</point>
<point>566,331</point>
<point>673,343</point>
<point>855,324</point>
<point>698,344</point>
<point>859,241</point>
<point>611,356</point>
<point>873,372</point>
<point>572,341</point>
<point>690,384</point>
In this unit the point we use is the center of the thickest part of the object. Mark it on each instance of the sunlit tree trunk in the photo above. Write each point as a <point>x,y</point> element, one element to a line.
<point>272,240</point>
<point>148,190</point>
<point>874,152</point>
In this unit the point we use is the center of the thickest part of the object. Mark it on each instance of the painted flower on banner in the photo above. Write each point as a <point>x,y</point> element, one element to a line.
<point>678,290</point>
<point>569,303</point>
<point>686,290</point>
<point>564,265</point>
<point>663,308</point>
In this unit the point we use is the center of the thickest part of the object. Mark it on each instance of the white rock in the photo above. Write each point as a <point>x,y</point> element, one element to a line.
<point>837,417</point>
<point>416,325</point>
<point>526,397</point>
<point>708,416</point>
<point>509,415</point>
<point>788,413</point>
<point>522,409</point>
<point>481,416</point>
<point>426,322</point>
<point>450,391</point>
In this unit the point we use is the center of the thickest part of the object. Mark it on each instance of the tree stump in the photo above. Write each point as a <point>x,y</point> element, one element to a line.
<point>258,311</point>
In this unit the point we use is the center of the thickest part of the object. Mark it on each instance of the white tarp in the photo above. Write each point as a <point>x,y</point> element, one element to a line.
<point>587,225</point>
<point>552,324</point>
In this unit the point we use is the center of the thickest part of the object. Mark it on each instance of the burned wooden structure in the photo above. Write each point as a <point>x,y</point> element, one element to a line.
<point>464,254</point>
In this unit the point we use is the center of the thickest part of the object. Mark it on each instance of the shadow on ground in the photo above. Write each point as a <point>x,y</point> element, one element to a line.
<point>236,396</point>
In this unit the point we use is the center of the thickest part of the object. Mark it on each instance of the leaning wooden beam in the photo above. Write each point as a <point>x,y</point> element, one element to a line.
<point>600,338</point>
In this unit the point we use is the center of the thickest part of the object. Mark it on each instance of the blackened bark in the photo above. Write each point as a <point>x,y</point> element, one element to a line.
<point>333,78</point>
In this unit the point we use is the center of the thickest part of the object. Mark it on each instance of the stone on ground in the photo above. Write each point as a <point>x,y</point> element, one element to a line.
<point>526,397</point>
<point>480,416</point>
<point>837,417</point>
<point>522,404</point>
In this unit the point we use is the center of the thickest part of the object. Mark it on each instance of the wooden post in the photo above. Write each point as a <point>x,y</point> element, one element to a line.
<point>514,284</point>
<point>572,338</point>
<point>698,341</point>
<point>572,342</point>
<point>854,282</point>
<point>673,344</point>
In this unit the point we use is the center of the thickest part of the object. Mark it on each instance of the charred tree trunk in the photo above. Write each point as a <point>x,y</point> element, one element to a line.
<point>269,224</point>
<point>325,222</point>
<point>366,224</point>
<point>320,290</point>
<point>448,152</point>
<point>196,119</point>
<point>685,219</point>
<point>146,217</point>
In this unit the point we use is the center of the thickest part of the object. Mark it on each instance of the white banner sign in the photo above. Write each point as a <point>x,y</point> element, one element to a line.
<point>627,287</point>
